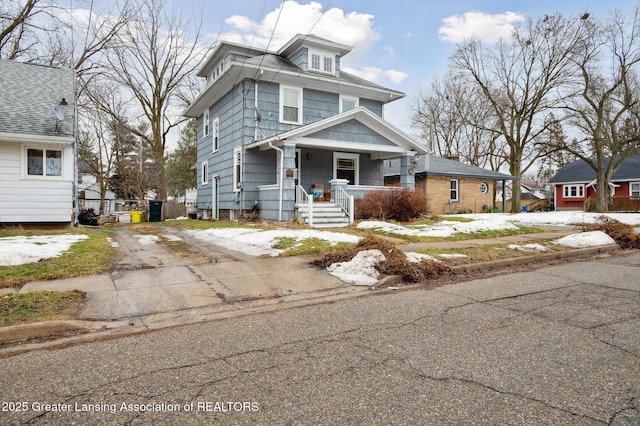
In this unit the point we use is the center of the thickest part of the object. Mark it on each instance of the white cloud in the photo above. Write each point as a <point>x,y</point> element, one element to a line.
<point>378,74</point>
<point>481,25</point>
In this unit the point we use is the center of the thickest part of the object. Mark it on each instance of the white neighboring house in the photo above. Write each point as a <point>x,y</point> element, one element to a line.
<point>38,175</point>
<point>89,195</point>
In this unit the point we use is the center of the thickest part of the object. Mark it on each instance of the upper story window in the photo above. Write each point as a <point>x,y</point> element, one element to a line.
<point>320,61</point>
<point>216,134</point>
<point>44,162</point>
<point>348,103</point>
<point>217,71</point>
<point>290,105</point>
<point>205,123</point>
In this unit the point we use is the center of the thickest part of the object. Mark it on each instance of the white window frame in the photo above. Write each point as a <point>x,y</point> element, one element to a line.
<point>323,57</point>
<point>298,90</point>
<point>349,156</point>
<point>237,168</point>
<point>205,124</point>
<point>45,169</point>
<point>215,143</point>
<point>484,188</point>
<point>455,199</point>
<point>204,169</point>
<point>634,192</point>
<point>348,98</point>
<point>567,189</point>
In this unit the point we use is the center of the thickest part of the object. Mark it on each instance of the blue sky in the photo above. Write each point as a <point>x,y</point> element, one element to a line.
<point>402,44</point>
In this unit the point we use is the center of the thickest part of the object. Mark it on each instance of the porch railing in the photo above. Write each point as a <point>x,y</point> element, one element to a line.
<point>305,202</point>
<point>345,201</point>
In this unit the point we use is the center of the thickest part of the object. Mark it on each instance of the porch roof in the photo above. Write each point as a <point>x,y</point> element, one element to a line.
<point>430,165</point>
<point>402,143</point>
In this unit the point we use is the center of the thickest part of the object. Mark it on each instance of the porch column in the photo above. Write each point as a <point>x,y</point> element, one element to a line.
<point>335,183</point>
<point>407,177</point>
<point>288,183</point>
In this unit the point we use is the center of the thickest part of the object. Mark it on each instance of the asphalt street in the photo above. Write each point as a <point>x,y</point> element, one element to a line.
<point>557,345</point>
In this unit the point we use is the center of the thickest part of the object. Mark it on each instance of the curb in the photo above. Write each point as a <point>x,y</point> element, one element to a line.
<point>42,330</point>
<point>65,328</point>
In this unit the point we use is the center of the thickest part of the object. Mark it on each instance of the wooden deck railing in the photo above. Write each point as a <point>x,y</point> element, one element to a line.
<point>615,204</point>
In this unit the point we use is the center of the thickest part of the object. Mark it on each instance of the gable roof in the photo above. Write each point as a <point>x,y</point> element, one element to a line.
<point>579,171</point>
<point>430,165</point>
<point>29,94</point>
<point>401,143</point>
<point>313,41</point>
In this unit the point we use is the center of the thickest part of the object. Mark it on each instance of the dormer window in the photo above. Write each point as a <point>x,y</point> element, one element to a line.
<point>321,62</point>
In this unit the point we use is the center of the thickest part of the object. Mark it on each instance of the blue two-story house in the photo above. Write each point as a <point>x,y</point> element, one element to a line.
<point>280,130</point>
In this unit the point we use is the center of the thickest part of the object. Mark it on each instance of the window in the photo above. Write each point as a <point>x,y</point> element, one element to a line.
<point>634,189</point>
<point>573,191</point>
<point>205,123</point>
<point>455,191</point>
<point>484,187</point>
<point>346,166</point>
<point>290,105</point>
<point>44,162</point>
<point>205,173</point>
<point>347,103</point>
<point>237,169</point>
<point>216,134</point>
<point>315,61</point>
<point>322,62</point>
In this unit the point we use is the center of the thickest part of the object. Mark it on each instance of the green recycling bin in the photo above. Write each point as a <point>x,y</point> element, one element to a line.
<point>155,211</point>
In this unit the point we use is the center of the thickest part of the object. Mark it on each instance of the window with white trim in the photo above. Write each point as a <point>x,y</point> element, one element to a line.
<point>205,173</point>
<point>44,162</point>
<point>348,103</point>
<point>216,134</point>
<point>484,187</point>
<point>573,191</point>
<point>634,189</point>
<point>290,105</point>
<point>454,194</point>
<point>346,166</point>
<point>321,62</point>
<point>237,168</point>
<point>205,124</point>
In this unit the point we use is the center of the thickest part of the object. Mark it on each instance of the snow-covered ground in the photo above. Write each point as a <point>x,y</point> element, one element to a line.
<point>258,242</point>
<point>20,249</point>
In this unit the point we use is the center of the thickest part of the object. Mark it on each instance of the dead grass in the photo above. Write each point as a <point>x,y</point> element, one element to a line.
<point>396,262</point>
<point>623,234</point>
<point>21,308</point>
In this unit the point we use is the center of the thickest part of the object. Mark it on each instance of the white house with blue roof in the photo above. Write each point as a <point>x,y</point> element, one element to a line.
<point>37,144</point>
<point>283,133</point>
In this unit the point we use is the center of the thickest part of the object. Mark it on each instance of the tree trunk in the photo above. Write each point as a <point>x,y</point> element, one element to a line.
<point>602,204</point>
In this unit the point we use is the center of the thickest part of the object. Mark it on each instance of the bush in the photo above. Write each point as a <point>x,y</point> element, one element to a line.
<point>399,204</point>
<point>623,234</point>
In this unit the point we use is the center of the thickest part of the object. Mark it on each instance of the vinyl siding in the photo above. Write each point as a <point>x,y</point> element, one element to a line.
<point>352,131</point>
<point>24,199</point>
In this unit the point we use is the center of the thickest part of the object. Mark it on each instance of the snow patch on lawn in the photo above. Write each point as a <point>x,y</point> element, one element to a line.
<point>146,240</point>
<point>20,249</point>
<point>586,239</point>
<point>256,242</point>
<point>419,257</point>
<point>527,247</point>
<point>445,228</point>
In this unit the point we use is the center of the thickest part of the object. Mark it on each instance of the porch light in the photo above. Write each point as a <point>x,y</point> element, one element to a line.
<point>308,156</point>
<point>63,102</point>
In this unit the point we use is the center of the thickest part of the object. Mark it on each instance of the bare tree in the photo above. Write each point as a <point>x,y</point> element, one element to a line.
<point>606,108</point>
<point>152,62</point>
<point>520,79</point>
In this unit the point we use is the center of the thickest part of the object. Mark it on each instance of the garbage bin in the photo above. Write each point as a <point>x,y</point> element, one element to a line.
<point>155,211</point>
<point>524,209</point>
<point>136,216</point>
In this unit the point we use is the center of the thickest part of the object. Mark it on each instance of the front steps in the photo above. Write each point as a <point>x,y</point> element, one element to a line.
<point>325,215</point>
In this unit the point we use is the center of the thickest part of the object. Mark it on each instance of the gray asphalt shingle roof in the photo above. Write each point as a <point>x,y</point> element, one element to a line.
<point>436,166</point>
<point>580,171</point>
<point>29,93</point>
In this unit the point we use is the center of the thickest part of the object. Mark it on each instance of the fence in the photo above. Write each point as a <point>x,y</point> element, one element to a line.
<point>615,204</point>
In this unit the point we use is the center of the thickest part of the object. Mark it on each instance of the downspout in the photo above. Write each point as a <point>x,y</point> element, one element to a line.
<point>281,151</point>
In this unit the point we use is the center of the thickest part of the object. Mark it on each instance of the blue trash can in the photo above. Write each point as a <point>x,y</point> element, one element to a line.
<point>524,209</point>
